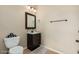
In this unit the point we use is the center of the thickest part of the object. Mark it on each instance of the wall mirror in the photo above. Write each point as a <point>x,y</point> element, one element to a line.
<point>30,21</point>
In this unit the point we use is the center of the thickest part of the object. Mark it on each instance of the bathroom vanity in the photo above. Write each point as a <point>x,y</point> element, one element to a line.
<point>33,40</point>
<point>33,37</point>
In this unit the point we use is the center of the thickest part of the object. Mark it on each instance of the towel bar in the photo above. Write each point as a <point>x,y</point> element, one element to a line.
<point>58,21</point>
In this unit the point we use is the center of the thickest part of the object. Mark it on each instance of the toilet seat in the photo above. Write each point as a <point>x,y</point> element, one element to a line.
<point>16,50</point>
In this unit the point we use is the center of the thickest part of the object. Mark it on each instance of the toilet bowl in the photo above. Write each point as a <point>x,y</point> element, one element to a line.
<point>13,45</point>
<point>16,49</point>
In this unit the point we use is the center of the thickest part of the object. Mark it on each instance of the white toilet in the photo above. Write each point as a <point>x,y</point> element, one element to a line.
<point>12,44</point>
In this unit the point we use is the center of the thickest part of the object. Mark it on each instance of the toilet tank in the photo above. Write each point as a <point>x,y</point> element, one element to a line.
<point>11,42</point>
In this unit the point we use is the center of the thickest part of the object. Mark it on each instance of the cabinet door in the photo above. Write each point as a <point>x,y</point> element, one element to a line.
<point>36,39</point>
<point>29,40</point>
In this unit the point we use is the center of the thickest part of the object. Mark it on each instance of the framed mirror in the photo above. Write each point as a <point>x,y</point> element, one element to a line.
<point>30,21</point>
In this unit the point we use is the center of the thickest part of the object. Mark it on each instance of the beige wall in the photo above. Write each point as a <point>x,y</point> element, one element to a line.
<point>60,36</point>
<point>12,19</point>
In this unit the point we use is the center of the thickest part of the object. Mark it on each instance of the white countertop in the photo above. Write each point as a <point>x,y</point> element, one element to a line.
<point>33,32</point>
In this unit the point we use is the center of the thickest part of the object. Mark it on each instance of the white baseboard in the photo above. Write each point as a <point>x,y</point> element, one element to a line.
<point>53,50</point>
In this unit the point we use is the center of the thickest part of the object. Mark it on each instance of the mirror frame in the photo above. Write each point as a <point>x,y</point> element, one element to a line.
<point>26,19</point>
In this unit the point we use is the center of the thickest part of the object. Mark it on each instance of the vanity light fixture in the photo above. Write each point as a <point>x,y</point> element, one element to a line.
<point>31,8</point>
<point>34,10</point>
<point>28,7</point>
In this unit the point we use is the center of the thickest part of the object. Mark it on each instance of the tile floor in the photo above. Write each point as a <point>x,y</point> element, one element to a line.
<point>39,50</point>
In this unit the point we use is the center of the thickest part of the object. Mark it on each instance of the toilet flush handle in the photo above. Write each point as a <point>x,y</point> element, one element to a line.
<point>77,41</point>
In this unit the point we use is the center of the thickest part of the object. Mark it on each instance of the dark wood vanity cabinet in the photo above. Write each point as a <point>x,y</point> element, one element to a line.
<point>33,40</point>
